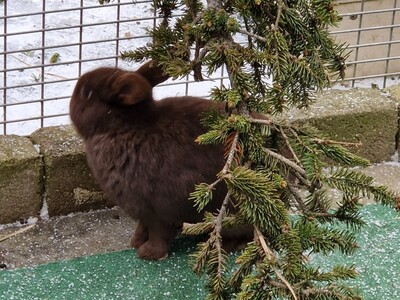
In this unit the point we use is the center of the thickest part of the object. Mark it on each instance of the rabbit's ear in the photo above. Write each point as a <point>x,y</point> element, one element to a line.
<point>152,72</point>
<point>131,89</point>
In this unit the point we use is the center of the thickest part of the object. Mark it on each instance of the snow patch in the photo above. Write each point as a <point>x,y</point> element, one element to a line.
<point>29,221</point>
<point>44,212</point>
<point>37,148</point>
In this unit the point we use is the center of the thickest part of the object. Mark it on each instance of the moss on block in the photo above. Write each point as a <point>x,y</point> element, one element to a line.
<point>364,115</point>
<point>20,179</point>
<point>69,185</point>
<point>394,92</point>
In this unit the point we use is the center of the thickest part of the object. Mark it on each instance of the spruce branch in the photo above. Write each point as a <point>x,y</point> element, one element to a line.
<point>211,252</point>
<point>260,121</point>
<point>267,162</point>
<point>342,156</point>
<point>231,154</point>
<point>289,146</point>
<point>221,215</point>
<point>332,142</point>
<point>273,259</point>
<point>298,171</point>
<point>354,183</point>
<point>300,141</point>
<point>202,194</point>
<point>281,6</point>
<point>253,35</point>
<point>217,258</point>
<point>332,291</point>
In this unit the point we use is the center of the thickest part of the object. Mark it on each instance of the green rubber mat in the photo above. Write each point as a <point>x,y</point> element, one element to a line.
<point>378,259</point>
<point>116,275</point>
<point>120,275</point>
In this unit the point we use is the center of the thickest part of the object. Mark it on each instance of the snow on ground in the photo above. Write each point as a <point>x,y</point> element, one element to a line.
<point>23,60</point>
<point>26,59</point>
<point>27,56</point>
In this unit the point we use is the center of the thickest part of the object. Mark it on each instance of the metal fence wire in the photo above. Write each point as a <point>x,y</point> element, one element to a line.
<point>47,44</point>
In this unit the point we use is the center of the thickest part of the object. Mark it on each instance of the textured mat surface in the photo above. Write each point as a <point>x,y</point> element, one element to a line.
<point>120,275</point>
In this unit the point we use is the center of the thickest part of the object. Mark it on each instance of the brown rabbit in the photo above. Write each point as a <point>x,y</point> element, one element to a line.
<point>143,152</point>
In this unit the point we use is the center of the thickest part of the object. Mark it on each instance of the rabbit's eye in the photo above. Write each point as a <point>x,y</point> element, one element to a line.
<point>90,94</point>
<point>85,92</point>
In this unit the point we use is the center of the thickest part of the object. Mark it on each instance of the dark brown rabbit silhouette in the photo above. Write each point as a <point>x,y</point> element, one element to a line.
<point>143,152</point>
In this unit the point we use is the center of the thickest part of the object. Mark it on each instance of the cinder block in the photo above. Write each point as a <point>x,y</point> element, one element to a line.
<point>69,185</point>
<point>394,92</point>
<point>20,179</point>
<point>364,115</point>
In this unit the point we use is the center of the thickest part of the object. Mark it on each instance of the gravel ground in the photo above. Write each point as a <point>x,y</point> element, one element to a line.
<point>67,237</point>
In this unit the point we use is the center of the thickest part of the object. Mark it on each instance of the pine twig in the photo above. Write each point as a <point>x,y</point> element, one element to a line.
<point>300,141</point>
<point>292,152</point>
<point>223,210</point>
<point>7,236</point>
<point>261,121</point>
<point>298,171</point>
<point>218,230</point>
<point>271,257</point>
<point>281,5</point>
<point>286,161</point>
<point>45,73</point>
<point>222,213</point>
<point>332,142</point>
<point>256,36</point>
<point>228,162</point>
<point>231,155</point>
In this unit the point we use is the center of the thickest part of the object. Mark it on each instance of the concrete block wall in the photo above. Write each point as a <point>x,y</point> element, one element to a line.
<point>68,183</point>
<point>50,166</point>
<point>357,115</point>
<point>20,179</point>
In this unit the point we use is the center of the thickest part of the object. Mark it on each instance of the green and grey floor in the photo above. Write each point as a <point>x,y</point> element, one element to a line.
<point>120,275</point>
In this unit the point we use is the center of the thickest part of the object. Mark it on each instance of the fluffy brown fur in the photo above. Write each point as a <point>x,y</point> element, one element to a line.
<point>143,152</point>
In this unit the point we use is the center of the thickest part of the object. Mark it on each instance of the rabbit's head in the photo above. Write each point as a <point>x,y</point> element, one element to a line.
<point>103,93</point>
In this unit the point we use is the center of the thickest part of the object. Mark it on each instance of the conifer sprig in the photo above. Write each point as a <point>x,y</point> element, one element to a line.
<point>277,54</point>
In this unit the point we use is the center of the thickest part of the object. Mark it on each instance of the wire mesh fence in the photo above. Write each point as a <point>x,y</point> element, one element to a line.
<point>47,45</point>
<point>372,30</point>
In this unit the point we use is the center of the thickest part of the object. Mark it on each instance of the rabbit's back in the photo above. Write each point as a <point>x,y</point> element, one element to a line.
<point>152,166</point>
